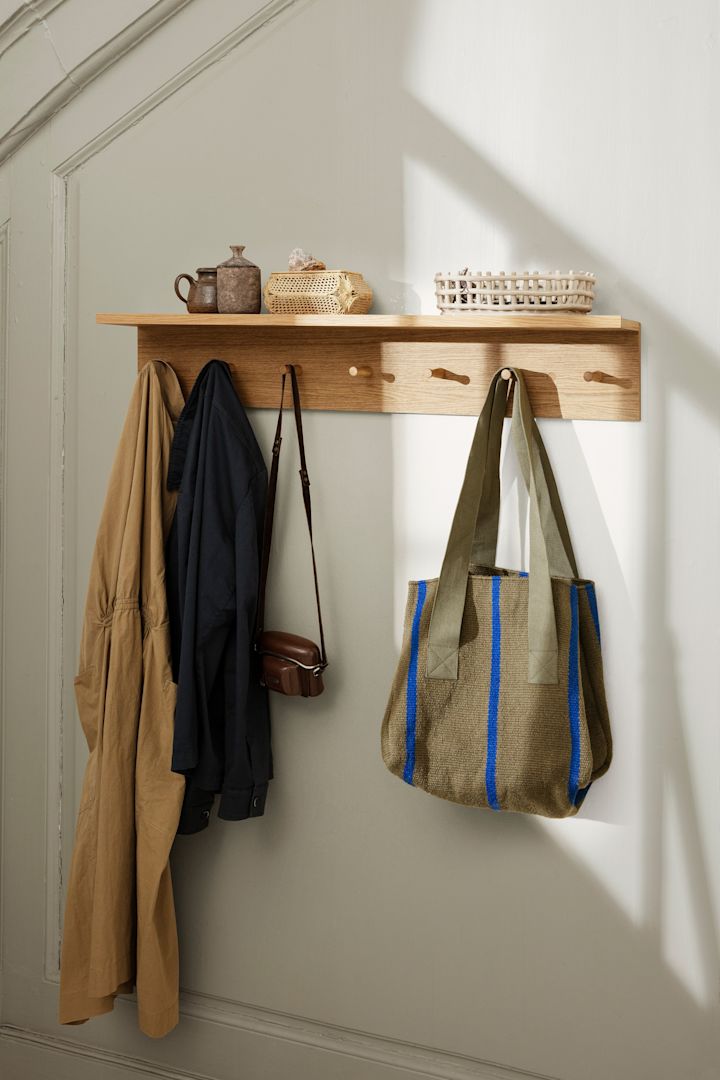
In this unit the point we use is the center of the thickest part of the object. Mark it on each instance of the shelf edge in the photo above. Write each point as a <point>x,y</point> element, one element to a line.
<point>461,323</point>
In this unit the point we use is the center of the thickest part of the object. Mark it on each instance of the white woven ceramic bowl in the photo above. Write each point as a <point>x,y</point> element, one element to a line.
<point>526,293</point>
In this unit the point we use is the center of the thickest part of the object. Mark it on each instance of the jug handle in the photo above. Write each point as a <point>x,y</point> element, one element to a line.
<point>178,279</point>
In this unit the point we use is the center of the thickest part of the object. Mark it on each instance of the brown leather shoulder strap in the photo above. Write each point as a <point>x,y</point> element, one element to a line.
<point>270,506</point>
<point>269,517</point>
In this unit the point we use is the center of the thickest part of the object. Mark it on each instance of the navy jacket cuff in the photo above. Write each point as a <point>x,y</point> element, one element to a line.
<point>195,812</point>
<point>237,805</point>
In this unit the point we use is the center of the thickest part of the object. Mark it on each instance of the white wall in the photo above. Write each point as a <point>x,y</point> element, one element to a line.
<point>397,139</point>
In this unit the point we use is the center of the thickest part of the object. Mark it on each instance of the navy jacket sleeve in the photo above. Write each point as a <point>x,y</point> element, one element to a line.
<point>222,712</point>
<point>247,748</point>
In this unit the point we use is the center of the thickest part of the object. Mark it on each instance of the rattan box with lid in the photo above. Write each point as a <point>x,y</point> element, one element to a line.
<point>318,292</point>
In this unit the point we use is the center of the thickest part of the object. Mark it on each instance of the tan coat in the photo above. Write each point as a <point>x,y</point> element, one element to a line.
<point>120,928</point>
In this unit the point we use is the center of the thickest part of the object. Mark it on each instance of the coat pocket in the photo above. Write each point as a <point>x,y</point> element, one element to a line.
<point>87,697</point>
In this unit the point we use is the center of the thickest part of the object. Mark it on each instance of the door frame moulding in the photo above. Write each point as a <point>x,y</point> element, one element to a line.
<point>23,19</point>
<point>55,689</point>
<point>4,319</point>
<point>84,73</point>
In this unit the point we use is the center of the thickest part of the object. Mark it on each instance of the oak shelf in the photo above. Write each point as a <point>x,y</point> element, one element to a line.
<point>578,366</point>
<point>419,323</point>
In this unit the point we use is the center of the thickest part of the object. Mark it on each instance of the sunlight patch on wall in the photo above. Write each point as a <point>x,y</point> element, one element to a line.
<point>446,228</point>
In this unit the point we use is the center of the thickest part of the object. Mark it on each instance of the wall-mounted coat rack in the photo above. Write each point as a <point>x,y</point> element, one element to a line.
<point>584,367</point>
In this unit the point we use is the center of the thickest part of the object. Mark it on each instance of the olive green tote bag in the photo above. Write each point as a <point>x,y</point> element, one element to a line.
<point>498,700</point>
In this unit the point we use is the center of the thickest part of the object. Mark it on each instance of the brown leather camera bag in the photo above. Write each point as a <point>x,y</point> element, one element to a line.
<point>289,664</point>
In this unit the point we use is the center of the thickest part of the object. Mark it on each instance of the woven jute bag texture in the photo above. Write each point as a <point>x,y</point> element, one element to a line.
<point>473,717</point>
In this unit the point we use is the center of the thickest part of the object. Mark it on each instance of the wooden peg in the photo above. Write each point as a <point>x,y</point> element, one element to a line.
<point>603,377</point>
<point>506,374</point>
<point>285,369</point>
<point>360,372</point>
<point>443,373</point>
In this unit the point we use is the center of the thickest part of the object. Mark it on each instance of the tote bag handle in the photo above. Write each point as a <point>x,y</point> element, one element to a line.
<point>488,509</point>
<point>473,536</point>
<point>560,552</point>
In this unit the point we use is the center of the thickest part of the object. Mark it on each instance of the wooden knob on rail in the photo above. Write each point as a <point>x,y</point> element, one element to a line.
<point>603,377</point>
<point>360,372</point>
<point>285,369</point>
<point>443,373</point>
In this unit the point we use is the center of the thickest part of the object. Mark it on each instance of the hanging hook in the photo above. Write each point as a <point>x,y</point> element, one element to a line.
<point>603,377</point>
<point>360,372</point>
<point>285,369</point>
<point>443,373</point>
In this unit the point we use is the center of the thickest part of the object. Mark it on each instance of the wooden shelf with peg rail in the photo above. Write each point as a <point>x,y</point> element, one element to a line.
<point>580,367</point>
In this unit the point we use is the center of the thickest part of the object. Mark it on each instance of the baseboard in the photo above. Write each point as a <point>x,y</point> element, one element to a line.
<point>33,1055</point>
<point>410,1058</point>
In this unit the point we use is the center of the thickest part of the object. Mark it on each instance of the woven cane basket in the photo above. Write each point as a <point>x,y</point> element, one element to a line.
<point>318,292</point>
<point>526,293</point>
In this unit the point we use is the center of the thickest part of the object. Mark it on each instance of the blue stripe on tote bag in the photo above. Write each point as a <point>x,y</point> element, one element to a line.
<point>411,706</point>
<point>493,697</point>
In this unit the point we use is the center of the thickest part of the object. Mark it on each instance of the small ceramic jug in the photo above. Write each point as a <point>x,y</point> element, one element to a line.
<point>238,285</point>
<point>202,294</point>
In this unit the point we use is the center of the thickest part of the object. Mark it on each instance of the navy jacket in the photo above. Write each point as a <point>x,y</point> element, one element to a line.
<point>222,724</point>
